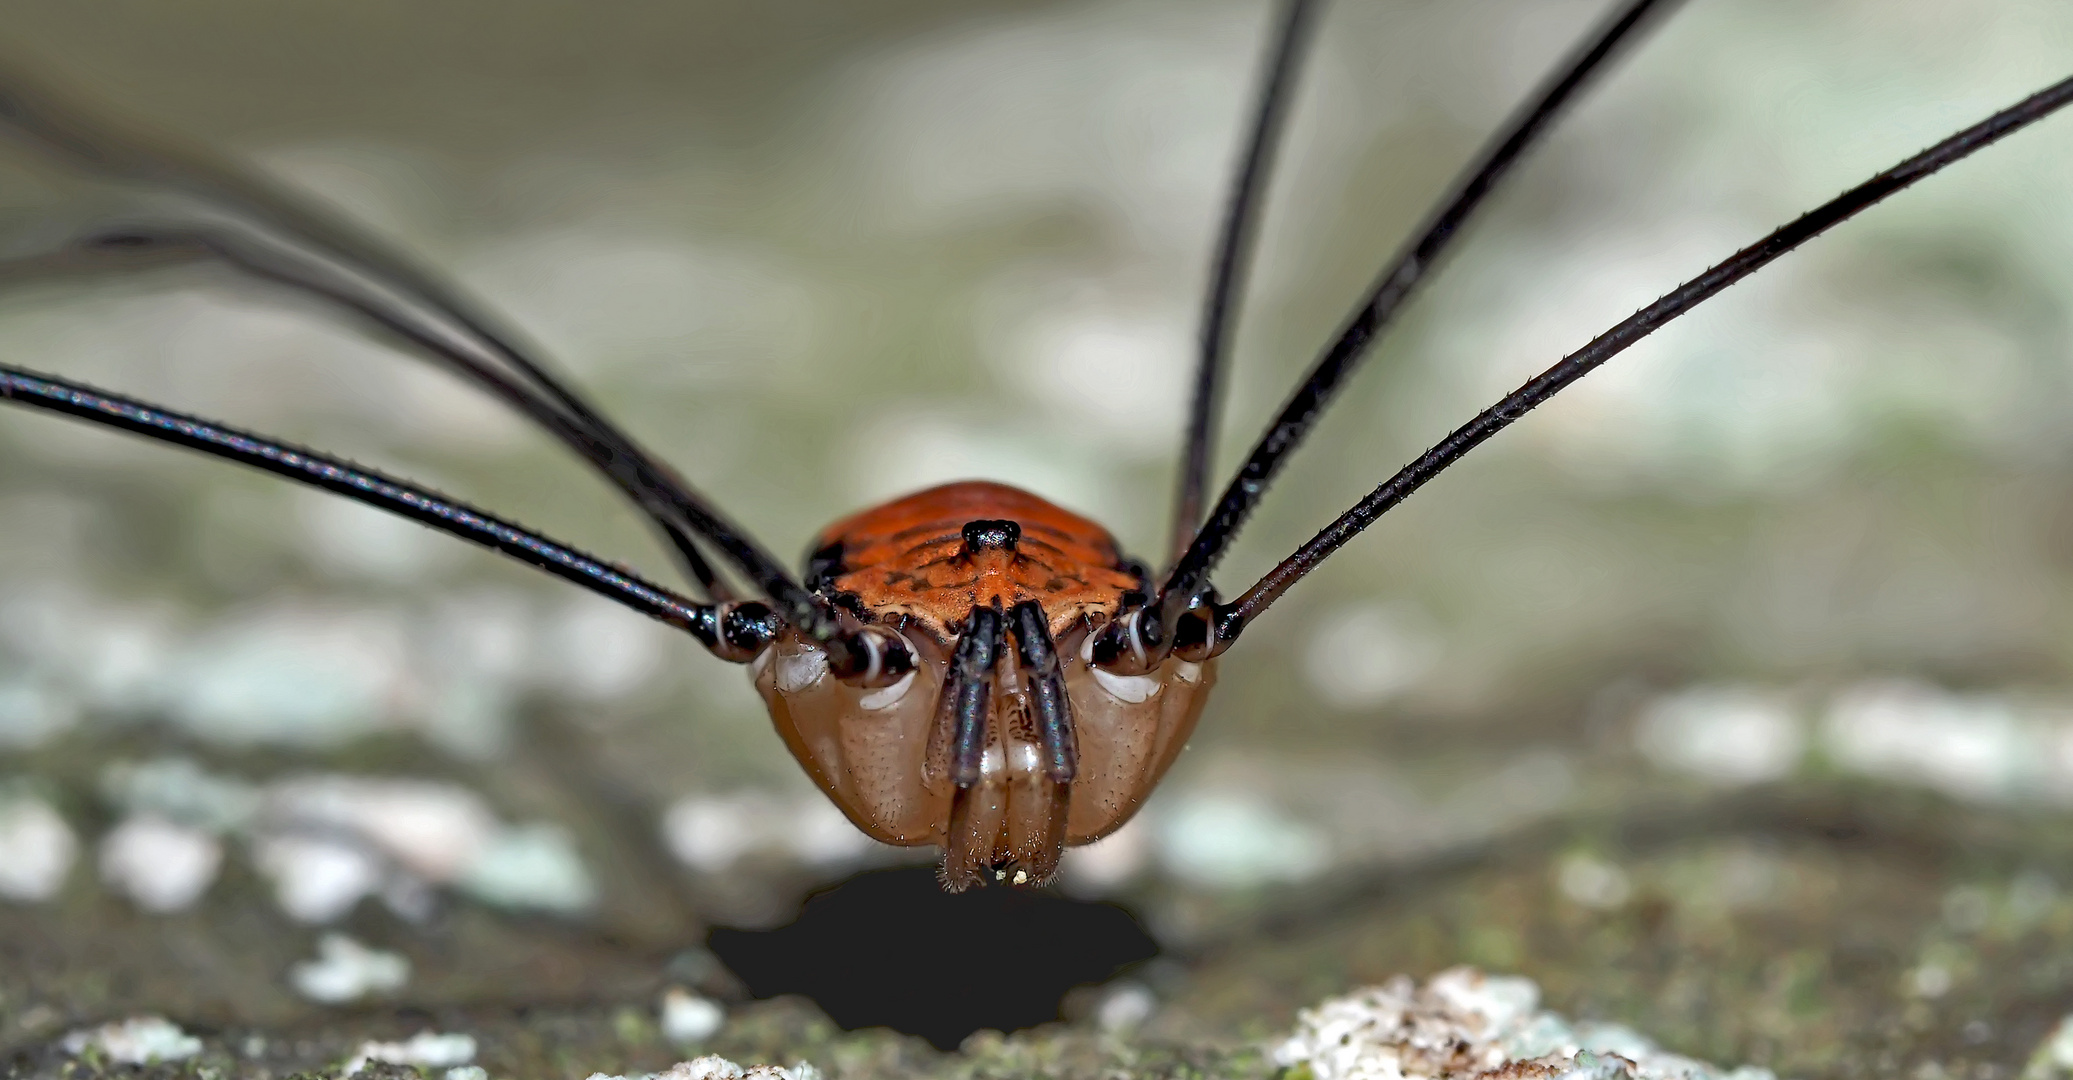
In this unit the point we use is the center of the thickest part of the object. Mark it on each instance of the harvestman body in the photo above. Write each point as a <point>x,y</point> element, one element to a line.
<point>1029,746</point>
<point>970,666</point>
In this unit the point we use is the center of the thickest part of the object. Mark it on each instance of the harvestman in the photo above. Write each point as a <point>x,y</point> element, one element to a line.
<point>970,666</point>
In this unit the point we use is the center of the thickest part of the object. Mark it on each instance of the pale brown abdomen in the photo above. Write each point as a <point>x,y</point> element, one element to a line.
<point>883,759</point>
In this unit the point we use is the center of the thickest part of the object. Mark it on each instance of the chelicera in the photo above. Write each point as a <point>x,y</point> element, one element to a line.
<point>971,666</point>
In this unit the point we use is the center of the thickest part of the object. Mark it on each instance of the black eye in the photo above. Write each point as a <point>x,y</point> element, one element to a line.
<point>991,535</point>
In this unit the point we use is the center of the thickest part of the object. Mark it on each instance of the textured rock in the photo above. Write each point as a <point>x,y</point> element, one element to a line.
<point>138,1041</point>
<point>1465,1025</point>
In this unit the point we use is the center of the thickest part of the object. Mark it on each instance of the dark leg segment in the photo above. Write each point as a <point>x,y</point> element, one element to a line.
<point>1635,327</point>
<point>1378,309</point>
<point>1233,258</point>
<point>732,631</point>
<point>968,693</point>
<point>403,292</point>
<point>138,245</point>
<point>1039,659</point>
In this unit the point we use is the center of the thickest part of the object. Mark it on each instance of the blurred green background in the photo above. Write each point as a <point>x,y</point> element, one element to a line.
<point>819,254</point>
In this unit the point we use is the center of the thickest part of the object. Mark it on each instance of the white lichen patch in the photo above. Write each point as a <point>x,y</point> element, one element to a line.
<point>2053,1057</point>
<point>317,879</point>
<point>37,849</point>
<point>178,789</point>
<point>1233,840</point>
<point>1363,654</point>
<point>1126,1005</point>
<point>426,1049</point>
<point>1110,863</point>
<point>327,841</point>
<point>1728,734</point>
<point>32,714</point>
<point>711,833</point>
<point>431,828</point>
<point>1593,882</point>
<point>1995,747</point>
<point>288,675</point>
<point>531,868</point>
<point>346,970</point>
<point>686,1018</point>
<point>1982,747</point>
<point>1465,1025</point>
<point>139,1040</point>
<point>161,865</point>
<point>715,1067</point>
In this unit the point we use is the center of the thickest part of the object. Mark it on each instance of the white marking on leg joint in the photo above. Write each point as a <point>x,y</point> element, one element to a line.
<point>1128,689</point>
<point>888,697</point>
<point>799,670</point>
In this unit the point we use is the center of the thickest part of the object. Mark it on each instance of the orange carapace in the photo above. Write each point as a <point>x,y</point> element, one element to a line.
<point>950,570</point>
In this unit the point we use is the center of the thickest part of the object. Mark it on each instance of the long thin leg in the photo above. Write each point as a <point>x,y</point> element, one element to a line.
<point>1233,260</point>
<point>1635,327</point>
<point>735,631</point>
<point>32,116</point>
<point>104,147</point>
<point>143,245</point>
<point>1408,268</point>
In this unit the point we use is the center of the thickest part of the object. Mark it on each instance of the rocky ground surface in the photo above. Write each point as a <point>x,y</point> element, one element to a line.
<point>1801,929</point>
